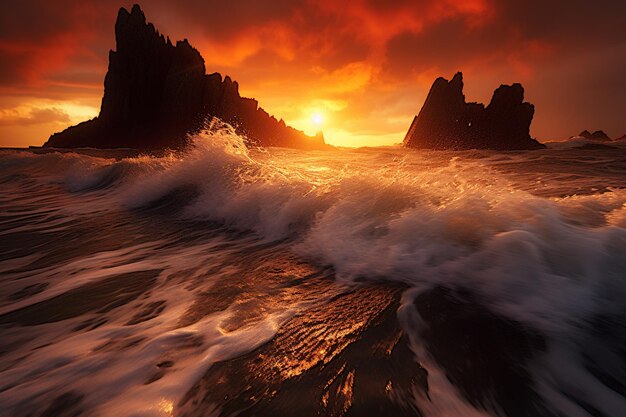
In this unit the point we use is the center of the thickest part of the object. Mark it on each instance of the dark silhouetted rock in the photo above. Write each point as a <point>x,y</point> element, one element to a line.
<point>156,93</point>
<point>446,121</point>
<point>600,135</point>
<point>597,135</point>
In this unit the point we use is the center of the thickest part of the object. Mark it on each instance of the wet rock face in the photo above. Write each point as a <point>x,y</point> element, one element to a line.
<point>348,357</point>
<point>446,121</point>
<point>155,93</point>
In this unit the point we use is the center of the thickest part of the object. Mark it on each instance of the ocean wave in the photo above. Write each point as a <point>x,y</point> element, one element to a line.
<point>555,264</point>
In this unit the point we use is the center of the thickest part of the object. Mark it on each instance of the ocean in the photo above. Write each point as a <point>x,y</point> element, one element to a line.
<point>372,281</point>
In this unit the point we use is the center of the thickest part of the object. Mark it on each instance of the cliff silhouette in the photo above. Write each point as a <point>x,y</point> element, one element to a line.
<point>446,121</point>
<point>156,93</point>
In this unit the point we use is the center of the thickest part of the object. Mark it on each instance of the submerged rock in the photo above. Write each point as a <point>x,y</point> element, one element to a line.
<point>155,93</point>
<point>446,121</point>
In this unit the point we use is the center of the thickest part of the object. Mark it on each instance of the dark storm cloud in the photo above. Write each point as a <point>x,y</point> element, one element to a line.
<point>519,29</point>
<point>224,19</point>
<point>572,21</point>
<point>447,46</point>
<point>41,37</point>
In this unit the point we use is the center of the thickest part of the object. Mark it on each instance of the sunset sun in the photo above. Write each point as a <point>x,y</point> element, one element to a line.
<point>317,119</point>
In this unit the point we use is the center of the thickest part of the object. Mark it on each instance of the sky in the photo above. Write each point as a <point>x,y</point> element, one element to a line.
<point>359,70</point>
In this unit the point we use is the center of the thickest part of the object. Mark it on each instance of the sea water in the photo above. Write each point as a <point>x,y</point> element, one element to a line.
<point>153,285</point>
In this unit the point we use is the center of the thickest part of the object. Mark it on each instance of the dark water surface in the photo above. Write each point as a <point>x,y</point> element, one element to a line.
<point>278,282</point>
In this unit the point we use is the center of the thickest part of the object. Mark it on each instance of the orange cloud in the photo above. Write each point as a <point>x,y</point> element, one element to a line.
<point>35,116</point>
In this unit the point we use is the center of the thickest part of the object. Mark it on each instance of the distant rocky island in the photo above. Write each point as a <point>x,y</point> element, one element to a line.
<point>597,135</point>
<point>156,93</point>
<point>447,122</point>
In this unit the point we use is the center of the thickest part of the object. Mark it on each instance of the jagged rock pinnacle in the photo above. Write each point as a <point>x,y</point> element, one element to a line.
<point>446,121</point>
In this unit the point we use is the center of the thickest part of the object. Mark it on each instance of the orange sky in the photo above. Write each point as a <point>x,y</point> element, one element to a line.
<point>363,66</point>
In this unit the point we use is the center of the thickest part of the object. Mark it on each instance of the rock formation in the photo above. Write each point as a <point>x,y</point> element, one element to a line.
<point>446,121</point>
<point>155,93</point>
<point>597,135</point>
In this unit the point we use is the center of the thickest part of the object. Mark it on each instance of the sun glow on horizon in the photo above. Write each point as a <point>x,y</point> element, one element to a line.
<point>317,119</point>
<point>312,119</point>
<point>29,121</point>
